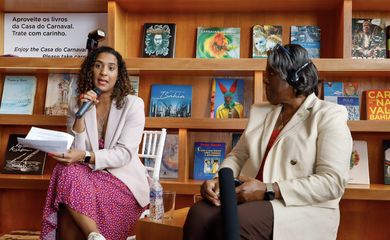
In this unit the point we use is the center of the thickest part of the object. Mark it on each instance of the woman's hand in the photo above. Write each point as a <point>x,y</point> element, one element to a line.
<point>210,191</point>
<point>70,157</point>
<point>251,189</point>
<point>89,96</point>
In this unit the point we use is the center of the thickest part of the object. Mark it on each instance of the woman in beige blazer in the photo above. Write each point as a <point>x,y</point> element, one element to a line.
<point>292,158</point>
<point>99,188</point>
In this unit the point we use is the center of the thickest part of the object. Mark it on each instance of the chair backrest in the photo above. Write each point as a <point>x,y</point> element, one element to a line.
<point>152,147</point>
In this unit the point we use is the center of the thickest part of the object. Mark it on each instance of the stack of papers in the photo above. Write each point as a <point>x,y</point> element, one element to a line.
<point>47,140</point>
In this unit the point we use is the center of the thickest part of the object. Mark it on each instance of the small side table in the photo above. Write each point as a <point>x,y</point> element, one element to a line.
<point>168,229</point>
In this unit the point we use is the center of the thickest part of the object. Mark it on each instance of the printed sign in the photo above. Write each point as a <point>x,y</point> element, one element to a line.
<point>61,35</point>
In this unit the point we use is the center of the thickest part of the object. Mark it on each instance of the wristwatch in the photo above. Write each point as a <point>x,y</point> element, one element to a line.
<point>87,157</point>
<point>269,193</point>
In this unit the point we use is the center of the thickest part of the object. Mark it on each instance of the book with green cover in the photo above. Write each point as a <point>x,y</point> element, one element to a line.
<point>218,42</point>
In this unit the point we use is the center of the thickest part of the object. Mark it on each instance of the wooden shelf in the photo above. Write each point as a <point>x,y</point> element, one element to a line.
<point>178,123</point>
<point>374,67</point>
<point>371,192</point>
<point>18,181</point>
<point>32,120</point>
<point>225,6</point>
<point>189,187</point>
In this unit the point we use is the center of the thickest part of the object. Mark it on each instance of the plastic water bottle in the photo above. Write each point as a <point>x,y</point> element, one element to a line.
<point>156,206</point>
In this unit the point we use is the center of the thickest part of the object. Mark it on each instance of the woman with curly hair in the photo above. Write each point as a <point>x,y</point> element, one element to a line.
<point>99,188</point>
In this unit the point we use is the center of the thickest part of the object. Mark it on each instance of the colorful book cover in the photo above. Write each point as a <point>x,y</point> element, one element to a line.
<point>170,100</point>
<point>353,106</point>
<point>229,98</point>
<point>351,89</point>
<point>368,38</point>
<point>22,160</point>
<point>170,159</point>
<point>332,90</point>
<point>60,88</point>
<point>134,82</point>
<point>208,157</point>
<point>378,104</point>
<point>358,168</point>
<point>308,37</point>
<point>215,42</point>
<point>386,151</point>
<point>265,37</point>
<point>18,95</point>
<point>159,40</point>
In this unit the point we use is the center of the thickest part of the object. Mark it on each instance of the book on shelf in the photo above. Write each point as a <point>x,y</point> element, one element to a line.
<point>18,95</point>
<point>170,158</point>
<point>386,163</point>
<point>235,139</point>
<point>368,38</point>
<point>218,42</point>
<point>264,38</point>
<point>308,37</point>
<point>159,40</point>
<point>60,88</point>
<point>378,104</point>
<point>22,160</point>
<point>170,100</point>
<point>207,158</point>
<point>134,82</point>
<point>358,167</point>
<point>346,94</point>
<point>227,98</point>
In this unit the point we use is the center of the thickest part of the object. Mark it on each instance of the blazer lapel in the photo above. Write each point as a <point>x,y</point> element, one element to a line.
<point>91,128</point>
<point>301,115</point>
<point>112,124</point>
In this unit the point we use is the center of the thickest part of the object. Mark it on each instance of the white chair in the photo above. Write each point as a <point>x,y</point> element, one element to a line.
<point>152,147</point>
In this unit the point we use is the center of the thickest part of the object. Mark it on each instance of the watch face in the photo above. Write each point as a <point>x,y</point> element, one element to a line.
<point>269,196</point>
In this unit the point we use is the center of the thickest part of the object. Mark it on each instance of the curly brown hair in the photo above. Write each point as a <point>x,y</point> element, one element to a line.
<point>122,86</point>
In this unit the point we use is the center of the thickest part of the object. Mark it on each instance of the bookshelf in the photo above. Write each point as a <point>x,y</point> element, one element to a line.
<point>363,209</point>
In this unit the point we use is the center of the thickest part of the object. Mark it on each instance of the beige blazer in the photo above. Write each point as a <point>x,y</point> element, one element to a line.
<point>120,153</point>
<point>309,160</point>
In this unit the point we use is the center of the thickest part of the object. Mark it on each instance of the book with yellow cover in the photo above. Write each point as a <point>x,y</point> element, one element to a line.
<point>378,104</point>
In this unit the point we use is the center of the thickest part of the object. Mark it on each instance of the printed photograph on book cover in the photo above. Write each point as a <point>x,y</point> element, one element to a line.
<point>18,95</point>
<point>170,100</point>
<point>358,167</point>
<point>265,37</point>
<point>228,98</point>
<point>368,38</point>
<point>332,90</point>
<point>378,104</point>
<point>159,40</point>
<point>308,37</point>
<point>216,42</point>
<point>134,82</point>
<point>207,158</point>
<point>170,159</point>
<point>386,151</point>
<point>60,88</point>
<point>22,160</point>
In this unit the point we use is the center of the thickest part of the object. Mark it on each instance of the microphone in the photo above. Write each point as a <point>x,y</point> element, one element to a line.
<point>86,105</point>
<point>231,229</point>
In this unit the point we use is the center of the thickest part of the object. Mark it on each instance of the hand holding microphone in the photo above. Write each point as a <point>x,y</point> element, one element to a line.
<point>88,99</point>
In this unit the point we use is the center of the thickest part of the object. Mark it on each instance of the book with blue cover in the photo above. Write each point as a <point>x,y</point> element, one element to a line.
<point>18,95</point>
<point>308,37</point>
<point>170,100</point>
<point>227,98</point>
<point>208,156</point>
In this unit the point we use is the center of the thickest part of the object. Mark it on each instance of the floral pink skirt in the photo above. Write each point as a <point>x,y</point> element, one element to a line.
<point>96,194</point>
